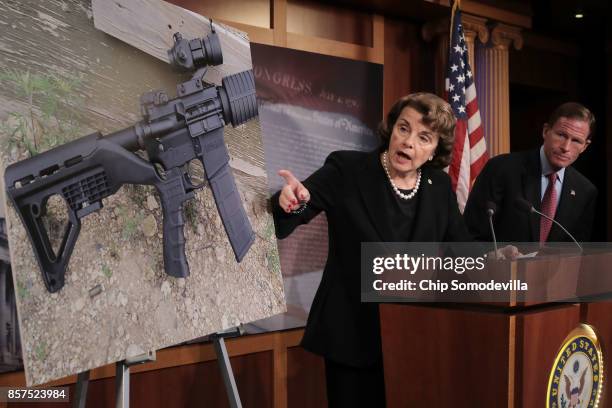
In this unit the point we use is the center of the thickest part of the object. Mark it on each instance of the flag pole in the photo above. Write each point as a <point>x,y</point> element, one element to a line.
<point>453,10</point>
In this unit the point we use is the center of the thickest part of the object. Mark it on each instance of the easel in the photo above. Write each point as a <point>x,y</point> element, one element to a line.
<point>122,377</point>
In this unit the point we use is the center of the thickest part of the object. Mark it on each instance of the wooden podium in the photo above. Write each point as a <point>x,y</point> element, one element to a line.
<point>440,355</point>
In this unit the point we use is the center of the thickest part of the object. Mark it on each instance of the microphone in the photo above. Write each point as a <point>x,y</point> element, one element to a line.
<point>526,206</point>
<point>491,209</point>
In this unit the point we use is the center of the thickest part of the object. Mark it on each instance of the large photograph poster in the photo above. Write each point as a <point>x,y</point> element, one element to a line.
<point>309,106</point>
<point>62,78</point>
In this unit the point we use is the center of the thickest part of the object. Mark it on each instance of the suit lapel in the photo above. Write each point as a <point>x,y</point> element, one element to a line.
<point>531,190</point>
<point>375,194</point>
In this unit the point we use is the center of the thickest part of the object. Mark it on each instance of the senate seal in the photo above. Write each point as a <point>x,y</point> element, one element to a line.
<point>576,378</point>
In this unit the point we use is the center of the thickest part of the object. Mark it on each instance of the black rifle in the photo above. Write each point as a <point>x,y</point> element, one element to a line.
<point>173,133</point>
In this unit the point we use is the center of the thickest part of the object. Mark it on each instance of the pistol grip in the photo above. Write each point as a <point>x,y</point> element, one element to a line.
<point>173,195</point>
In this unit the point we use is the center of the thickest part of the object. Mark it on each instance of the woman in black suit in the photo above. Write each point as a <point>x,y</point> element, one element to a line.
<point>396,193</point>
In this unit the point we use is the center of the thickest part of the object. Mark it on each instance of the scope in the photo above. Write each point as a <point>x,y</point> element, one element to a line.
<point>190,55</point>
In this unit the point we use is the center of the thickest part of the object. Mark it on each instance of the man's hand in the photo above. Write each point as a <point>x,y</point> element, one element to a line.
<point>294,194</point>
<point>508,252</point>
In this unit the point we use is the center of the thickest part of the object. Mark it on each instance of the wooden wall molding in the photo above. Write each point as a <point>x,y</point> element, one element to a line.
<point>279,22</point>
<point>256,34</point>
<point>276,342</point>
<point>490,12</point>
<point>278,35</point>
<point>330,47</point>
<point>472,25</point>
<point>335,48</point>
<point>497,14</point>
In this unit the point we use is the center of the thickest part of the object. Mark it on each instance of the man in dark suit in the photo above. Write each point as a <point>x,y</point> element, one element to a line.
<point>543,177</point>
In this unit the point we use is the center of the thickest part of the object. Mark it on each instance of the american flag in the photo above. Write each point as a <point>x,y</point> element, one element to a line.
<point>470,151</point>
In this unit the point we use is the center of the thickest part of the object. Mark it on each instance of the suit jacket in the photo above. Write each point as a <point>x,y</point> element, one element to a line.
<point>510,176</point>
<point>355,194</point>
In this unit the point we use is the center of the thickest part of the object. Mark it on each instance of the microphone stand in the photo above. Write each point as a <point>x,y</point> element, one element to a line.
<point>490,213</point>
<point>525,205</point>
<point>559,225</point>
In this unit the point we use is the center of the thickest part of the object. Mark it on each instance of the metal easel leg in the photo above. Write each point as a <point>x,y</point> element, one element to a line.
<point>122,382</point>
<point>122,377</point>
<point>226,371</point>
<point>80,393</point>
<point>122,385</point>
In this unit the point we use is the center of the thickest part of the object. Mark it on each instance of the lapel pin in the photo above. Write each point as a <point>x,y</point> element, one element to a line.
<point>429,180</point>
<point>573,192</point>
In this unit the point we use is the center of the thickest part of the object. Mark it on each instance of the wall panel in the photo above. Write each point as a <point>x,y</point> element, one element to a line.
<point>333,23</point>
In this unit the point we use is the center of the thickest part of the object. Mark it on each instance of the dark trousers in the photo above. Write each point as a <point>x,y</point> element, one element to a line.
<point>354,387</point>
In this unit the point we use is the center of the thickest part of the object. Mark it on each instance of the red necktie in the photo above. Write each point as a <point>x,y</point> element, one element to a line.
<point>549,206</point>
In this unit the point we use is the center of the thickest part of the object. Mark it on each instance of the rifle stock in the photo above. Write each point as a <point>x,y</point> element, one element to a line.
<point>80,174</point>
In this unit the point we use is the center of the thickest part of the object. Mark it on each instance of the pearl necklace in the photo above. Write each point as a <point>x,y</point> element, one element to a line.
<point>397,191</point>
